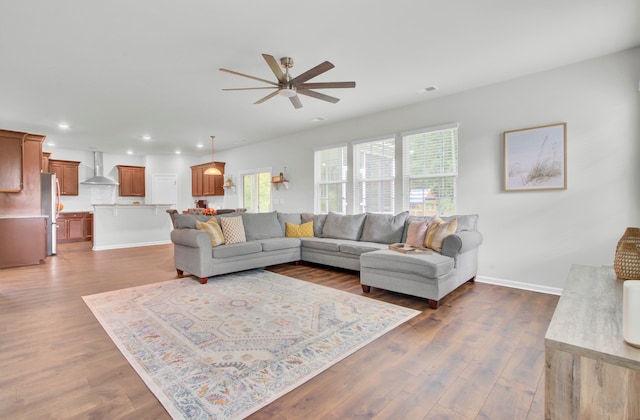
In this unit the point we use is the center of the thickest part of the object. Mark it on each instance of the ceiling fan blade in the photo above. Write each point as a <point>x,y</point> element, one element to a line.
<point>252,88</point>
<point>328,85</point>
<point>317,95</point>
<point>269,96</point>
<point>275,68</point>
<point>296,102</point>
<point>250,77</point>
<point>311,73</point>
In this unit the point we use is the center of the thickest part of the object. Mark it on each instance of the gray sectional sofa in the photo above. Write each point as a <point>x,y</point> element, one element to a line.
<point>357,242</point>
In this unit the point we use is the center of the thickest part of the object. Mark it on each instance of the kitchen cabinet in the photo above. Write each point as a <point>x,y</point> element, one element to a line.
<point>11,159</point>
<point>207,185</point>
<point>23,240</point>
<point>67,173</point>
<point>131,180</point>
<point>44,167</point>
<point>20,172</point>
<point>74,227</point>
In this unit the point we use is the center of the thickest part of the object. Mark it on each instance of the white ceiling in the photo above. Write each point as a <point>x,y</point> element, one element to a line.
<point>119,69</point>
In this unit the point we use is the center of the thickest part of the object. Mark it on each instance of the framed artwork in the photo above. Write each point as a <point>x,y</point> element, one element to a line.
<point>536,158</point>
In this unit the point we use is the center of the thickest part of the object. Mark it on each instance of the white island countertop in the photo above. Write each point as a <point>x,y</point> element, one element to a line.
<point>130,225</point>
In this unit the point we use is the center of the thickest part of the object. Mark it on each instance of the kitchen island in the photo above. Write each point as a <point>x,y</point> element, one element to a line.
<point>130,225</point>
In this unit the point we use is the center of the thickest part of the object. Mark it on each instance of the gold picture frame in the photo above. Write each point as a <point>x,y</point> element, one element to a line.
<point>536,158</point>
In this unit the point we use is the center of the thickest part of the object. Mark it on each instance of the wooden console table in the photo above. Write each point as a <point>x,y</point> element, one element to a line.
<point>591,372</point>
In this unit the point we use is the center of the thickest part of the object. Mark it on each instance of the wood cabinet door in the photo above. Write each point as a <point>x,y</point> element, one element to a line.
<point>132,181</point>
<point>11,160</point>
<point>69,180</point>
<point>67,174</point>
<point>88,226</point>
<point>62,232</point>
<point>75,229</point>
<point>196,181</point>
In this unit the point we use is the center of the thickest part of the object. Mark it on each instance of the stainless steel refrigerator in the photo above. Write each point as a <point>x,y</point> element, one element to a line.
<point>50,207</point>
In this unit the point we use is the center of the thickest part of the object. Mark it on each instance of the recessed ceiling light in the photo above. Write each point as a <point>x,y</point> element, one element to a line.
<point>199,146</point>
<point>178,152</point>
<point>318,119</point>
<point>129,152</point>
<point>146,137</point>
<point>63,125</point>
<point>51,144</point>
<point>427,90</point>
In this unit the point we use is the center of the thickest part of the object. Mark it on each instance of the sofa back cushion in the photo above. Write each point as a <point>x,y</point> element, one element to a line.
<point>341,226</point>
<point>261,226</point>
<point>293,218</point>
<point>383,228</point>
<point>188,221</point>
<point>318,222</point>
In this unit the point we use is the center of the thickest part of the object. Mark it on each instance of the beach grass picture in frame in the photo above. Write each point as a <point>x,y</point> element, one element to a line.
<point>536,158</point>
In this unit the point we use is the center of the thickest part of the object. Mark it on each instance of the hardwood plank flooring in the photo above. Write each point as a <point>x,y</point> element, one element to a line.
<point>480,355</point>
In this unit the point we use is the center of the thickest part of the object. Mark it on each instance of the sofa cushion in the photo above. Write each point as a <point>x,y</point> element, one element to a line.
<point>342,226</point>
<point>238,249</point>
<point>416,231</point>
<point>359,248</point>
<point>304,230</point>
<point>261,226</point>
<point>318,222</point>
<point>233,230</point>
<point>188,221</point>
<point>431,265</point>
<point>465,222</point>
<point>275,244</point>
<point>321,244</point>
<point>294,218</point>
<point>438,230</point>
<point>383,228</point>
<point>213,229</point>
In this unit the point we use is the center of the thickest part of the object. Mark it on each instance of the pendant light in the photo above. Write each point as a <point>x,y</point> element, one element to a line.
<point>212,170</point>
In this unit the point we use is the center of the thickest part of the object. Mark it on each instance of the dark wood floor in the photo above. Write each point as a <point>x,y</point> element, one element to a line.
<point>480,355</point>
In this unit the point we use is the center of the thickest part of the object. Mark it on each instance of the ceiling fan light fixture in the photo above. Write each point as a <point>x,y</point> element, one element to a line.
<point>287,92</point>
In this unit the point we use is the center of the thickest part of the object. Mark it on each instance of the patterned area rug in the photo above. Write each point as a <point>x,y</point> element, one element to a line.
<point>227,348</point>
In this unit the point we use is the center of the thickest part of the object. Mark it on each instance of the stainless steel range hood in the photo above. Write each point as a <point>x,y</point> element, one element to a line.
<point>98,177</point>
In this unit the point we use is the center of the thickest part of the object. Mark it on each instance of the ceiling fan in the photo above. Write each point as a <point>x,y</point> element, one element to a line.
<point>289,86</point>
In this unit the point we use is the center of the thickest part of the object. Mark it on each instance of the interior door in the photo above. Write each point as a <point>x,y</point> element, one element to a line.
<point>164,189</point>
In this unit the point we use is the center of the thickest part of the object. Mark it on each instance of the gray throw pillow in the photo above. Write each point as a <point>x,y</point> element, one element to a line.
<point>318,222</point>
<point>341,226</point>
<point>261,226</point>
<point>383,228</point>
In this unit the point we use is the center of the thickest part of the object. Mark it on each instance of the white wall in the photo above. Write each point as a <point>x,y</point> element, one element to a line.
<point>529,237</point>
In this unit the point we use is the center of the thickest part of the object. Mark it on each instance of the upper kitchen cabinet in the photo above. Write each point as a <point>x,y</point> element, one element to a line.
<point>132,181</point>
<point>20,160</point>
<point>207,185</point>
<point>11,148</point>
<point>44,167</point>
<point>67,173</point>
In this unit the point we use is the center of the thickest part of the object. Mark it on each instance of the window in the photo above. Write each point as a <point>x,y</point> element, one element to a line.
<point>430,170</point>
<point>375,167</point>
<point>256,194</point>
<point>331,180</point>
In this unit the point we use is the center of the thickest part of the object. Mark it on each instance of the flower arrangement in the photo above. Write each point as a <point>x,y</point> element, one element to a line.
<point>209,211</point>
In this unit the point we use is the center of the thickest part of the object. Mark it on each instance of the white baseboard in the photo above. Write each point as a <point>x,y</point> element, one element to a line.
<point>520,285</point>
<point>118,246</point>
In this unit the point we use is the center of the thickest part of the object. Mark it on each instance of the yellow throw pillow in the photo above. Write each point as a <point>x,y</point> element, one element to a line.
<point>304,230</point>
<point>233,229</point>
<point>213,229</point>
<point>438,230</point>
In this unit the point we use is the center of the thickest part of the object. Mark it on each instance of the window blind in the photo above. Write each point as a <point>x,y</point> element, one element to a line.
<point>374,175</point>
<point>331,180</point>
<point>430,171</point>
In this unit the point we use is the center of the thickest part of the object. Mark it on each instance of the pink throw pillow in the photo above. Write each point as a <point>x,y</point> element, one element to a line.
<point>416,233</point>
